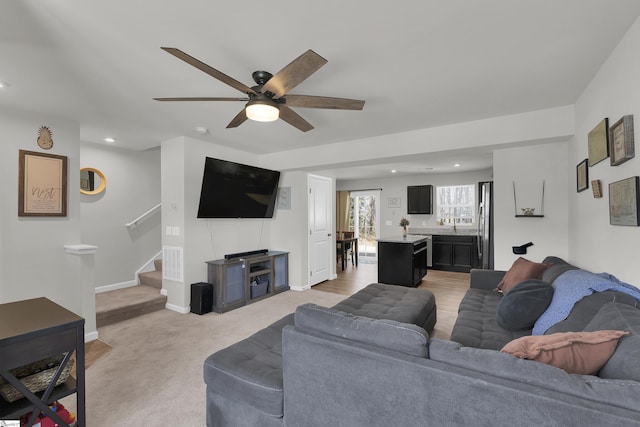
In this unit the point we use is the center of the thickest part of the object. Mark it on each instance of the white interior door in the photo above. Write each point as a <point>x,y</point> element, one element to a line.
<point>320,228</point>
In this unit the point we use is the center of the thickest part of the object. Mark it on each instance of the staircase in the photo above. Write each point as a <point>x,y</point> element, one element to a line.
<point>127,303</point>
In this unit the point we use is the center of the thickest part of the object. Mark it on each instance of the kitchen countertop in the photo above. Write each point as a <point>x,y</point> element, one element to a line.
<point>411,238</point>
<point>445,230</point>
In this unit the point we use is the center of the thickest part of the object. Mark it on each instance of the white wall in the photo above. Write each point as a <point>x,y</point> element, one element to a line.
<point>289,229</point>
<point>202,239</point>
<point>33,262</point>
<point>397,187</point>
<point>528,167</point>
<point>614,92</point>
<point>133,187</point>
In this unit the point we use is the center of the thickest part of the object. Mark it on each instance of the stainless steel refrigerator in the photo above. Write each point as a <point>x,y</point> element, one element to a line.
<point>485,225</point>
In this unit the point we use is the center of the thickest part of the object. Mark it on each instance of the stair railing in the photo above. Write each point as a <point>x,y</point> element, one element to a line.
<point>144,216</point>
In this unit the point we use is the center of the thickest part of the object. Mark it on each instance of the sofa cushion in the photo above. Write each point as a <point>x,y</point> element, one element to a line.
<point>392,302</point>
<point>523,304</point>
<point>623,364</point>
<point>382,333</point>
<point>575,352</point>
<point>584,310</point>
<point>557,266</point>
<point>476,325</point>
<point>522,269</point>
<point>251,370</point>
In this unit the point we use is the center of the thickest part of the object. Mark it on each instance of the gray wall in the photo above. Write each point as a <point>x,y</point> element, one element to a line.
<point>33,261</point>
<point>133,187</point>
<point>614,92</point>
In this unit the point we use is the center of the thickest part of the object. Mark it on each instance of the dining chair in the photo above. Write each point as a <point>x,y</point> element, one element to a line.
<point>349,246</point>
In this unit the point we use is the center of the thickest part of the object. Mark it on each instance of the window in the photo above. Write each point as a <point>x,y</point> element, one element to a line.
<point>456,203</point>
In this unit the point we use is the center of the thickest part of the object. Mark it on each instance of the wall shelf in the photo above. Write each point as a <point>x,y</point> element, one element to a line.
<point>515,204</point>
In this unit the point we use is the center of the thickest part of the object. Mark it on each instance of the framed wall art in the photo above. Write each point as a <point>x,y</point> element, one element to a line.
<point>621,145</point>
<point>596,188</point>
<point>393,202</point>
<point>42,184</point>
<point>623,202</point>
<point>582,175</point>
<point>598,142</point>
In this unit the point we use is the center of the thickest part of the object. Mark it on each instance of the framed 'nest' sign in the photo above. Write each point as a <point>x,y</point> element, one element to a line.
<point>42,184</point>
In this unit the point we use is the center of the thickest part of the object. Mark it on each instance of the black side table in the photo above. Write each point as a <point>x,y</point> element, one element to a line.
<point>33,330</point>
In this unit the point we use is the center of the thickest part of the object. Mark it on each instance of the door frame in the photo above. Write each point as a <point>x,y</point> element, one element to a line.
<point>377,194</point>
<point>330,238</point>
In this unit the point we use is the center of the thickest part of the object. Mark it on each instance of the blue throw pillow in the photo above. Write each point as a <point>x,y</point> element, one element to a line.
<point>520,308</point>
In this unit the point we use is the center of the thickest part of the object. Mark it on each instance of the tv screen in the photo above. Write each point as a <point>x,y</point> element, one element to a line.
<point>234,190</point>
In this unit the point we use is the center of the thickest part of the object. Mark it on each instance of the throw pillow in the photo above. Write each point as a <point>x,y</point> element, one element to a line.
<point>523,304</point>
<point>521,270</point>
<point>575,352</point>
<point>624,362</point>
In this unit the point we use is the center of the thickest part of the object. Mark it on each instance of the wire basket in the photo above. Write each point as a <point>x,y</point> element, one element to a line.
<point>35,382</point>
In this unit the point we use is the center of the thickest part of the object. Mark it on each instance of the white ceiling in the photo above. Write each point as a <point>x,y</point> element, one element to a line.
<point>417,63</point>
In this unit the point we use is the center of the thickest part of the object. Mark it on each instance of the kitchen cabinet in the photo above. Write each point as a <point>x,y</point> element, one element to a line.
<point>454,252</point>
<point>402,261</point>
<point>419,199</point>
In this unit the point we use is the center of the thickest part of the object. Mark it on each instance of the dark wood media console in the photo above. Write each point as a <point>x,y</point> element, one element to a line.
<point>243,280</point>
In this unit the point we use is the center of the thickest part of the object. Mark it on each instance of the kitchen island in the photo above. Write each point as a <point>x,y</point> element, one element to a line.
<point>402,260</point>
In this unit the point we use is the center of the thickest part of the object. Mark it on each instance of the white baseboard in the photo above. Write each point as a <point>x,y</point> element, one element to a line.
<point>300,288</point>
<point>91,336</point>
<point>114,286</point>
<point>178,309</point>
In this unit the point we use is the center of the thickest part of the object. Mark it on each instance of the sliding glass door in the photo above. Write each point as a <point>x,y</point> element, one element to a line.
<point>364,214</point>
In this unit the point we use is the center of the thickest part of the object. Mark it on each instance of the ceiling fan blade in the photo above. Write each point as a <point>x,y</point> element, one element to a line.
<point>239,119</point>
<point>209,70</point>
<point>294,73</point>
<point>308,101</point>
<point>201,99</point>
<point>294,119</point>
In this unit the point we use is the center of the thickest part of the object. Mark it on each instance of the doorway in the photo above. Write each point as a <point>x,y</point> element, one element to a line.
<point>364,220</point>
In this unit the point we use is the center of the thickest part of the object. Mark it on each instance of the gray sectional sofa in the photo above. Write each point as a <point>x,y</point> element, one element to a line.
<point>336,368</point>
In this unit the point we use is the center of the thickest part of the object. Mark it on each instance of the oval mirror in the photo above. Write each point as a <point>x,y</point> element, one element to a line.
<point>92,181</point>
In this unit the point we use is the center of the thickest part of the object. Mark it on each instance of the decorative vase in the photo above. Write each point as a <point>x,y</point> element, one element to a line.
<point>404,231</point>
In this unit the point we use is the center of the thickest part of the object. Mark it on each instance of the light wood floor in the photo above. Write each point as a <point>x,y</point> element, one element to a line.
<point>447,287</point>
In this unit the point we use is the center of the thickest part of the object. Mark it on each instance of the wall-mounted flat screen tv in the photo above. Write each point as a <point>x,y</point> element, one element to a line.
<point>234,190</point>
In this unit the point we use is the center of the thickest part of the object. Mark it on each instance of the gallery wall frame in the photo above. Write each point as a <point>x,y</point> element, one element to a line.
<point>598,142</point>
<point>596,188</point>
<point>42,184</point>
<point>621,140</point>
<point>624,202</point>
<point>582,175</point>
<point>393,202</point>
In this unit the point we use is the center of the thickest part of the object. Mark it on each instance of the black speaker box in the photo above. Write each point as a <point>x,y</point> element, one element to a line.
<point>201,298</point>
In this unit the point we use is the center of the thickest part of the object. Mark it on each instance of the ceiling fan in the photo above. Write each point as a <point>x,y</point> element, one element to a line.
<point>269,99</point>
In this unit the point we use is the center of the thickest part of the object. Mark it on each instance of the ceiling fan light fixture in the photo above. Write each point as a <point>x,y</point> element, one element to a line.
<point>262,111</point>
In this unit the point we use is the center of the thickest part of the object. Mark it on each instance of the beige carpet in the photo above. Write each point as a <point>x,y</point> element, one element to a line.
<point>153,374</point>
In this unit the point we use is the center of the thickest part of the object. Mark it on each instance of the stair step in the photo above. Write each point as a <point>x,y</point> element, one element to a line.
<point>151,278</point>
<point>122,304</point>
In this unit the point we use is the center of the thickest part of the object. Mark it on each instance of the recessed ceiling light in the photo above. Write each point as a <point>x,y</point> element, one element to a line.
<point>4,85</point>
<point>457,165</point>
<point>202,130</point>
<point>393,171</point>
<point>110,140</point>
